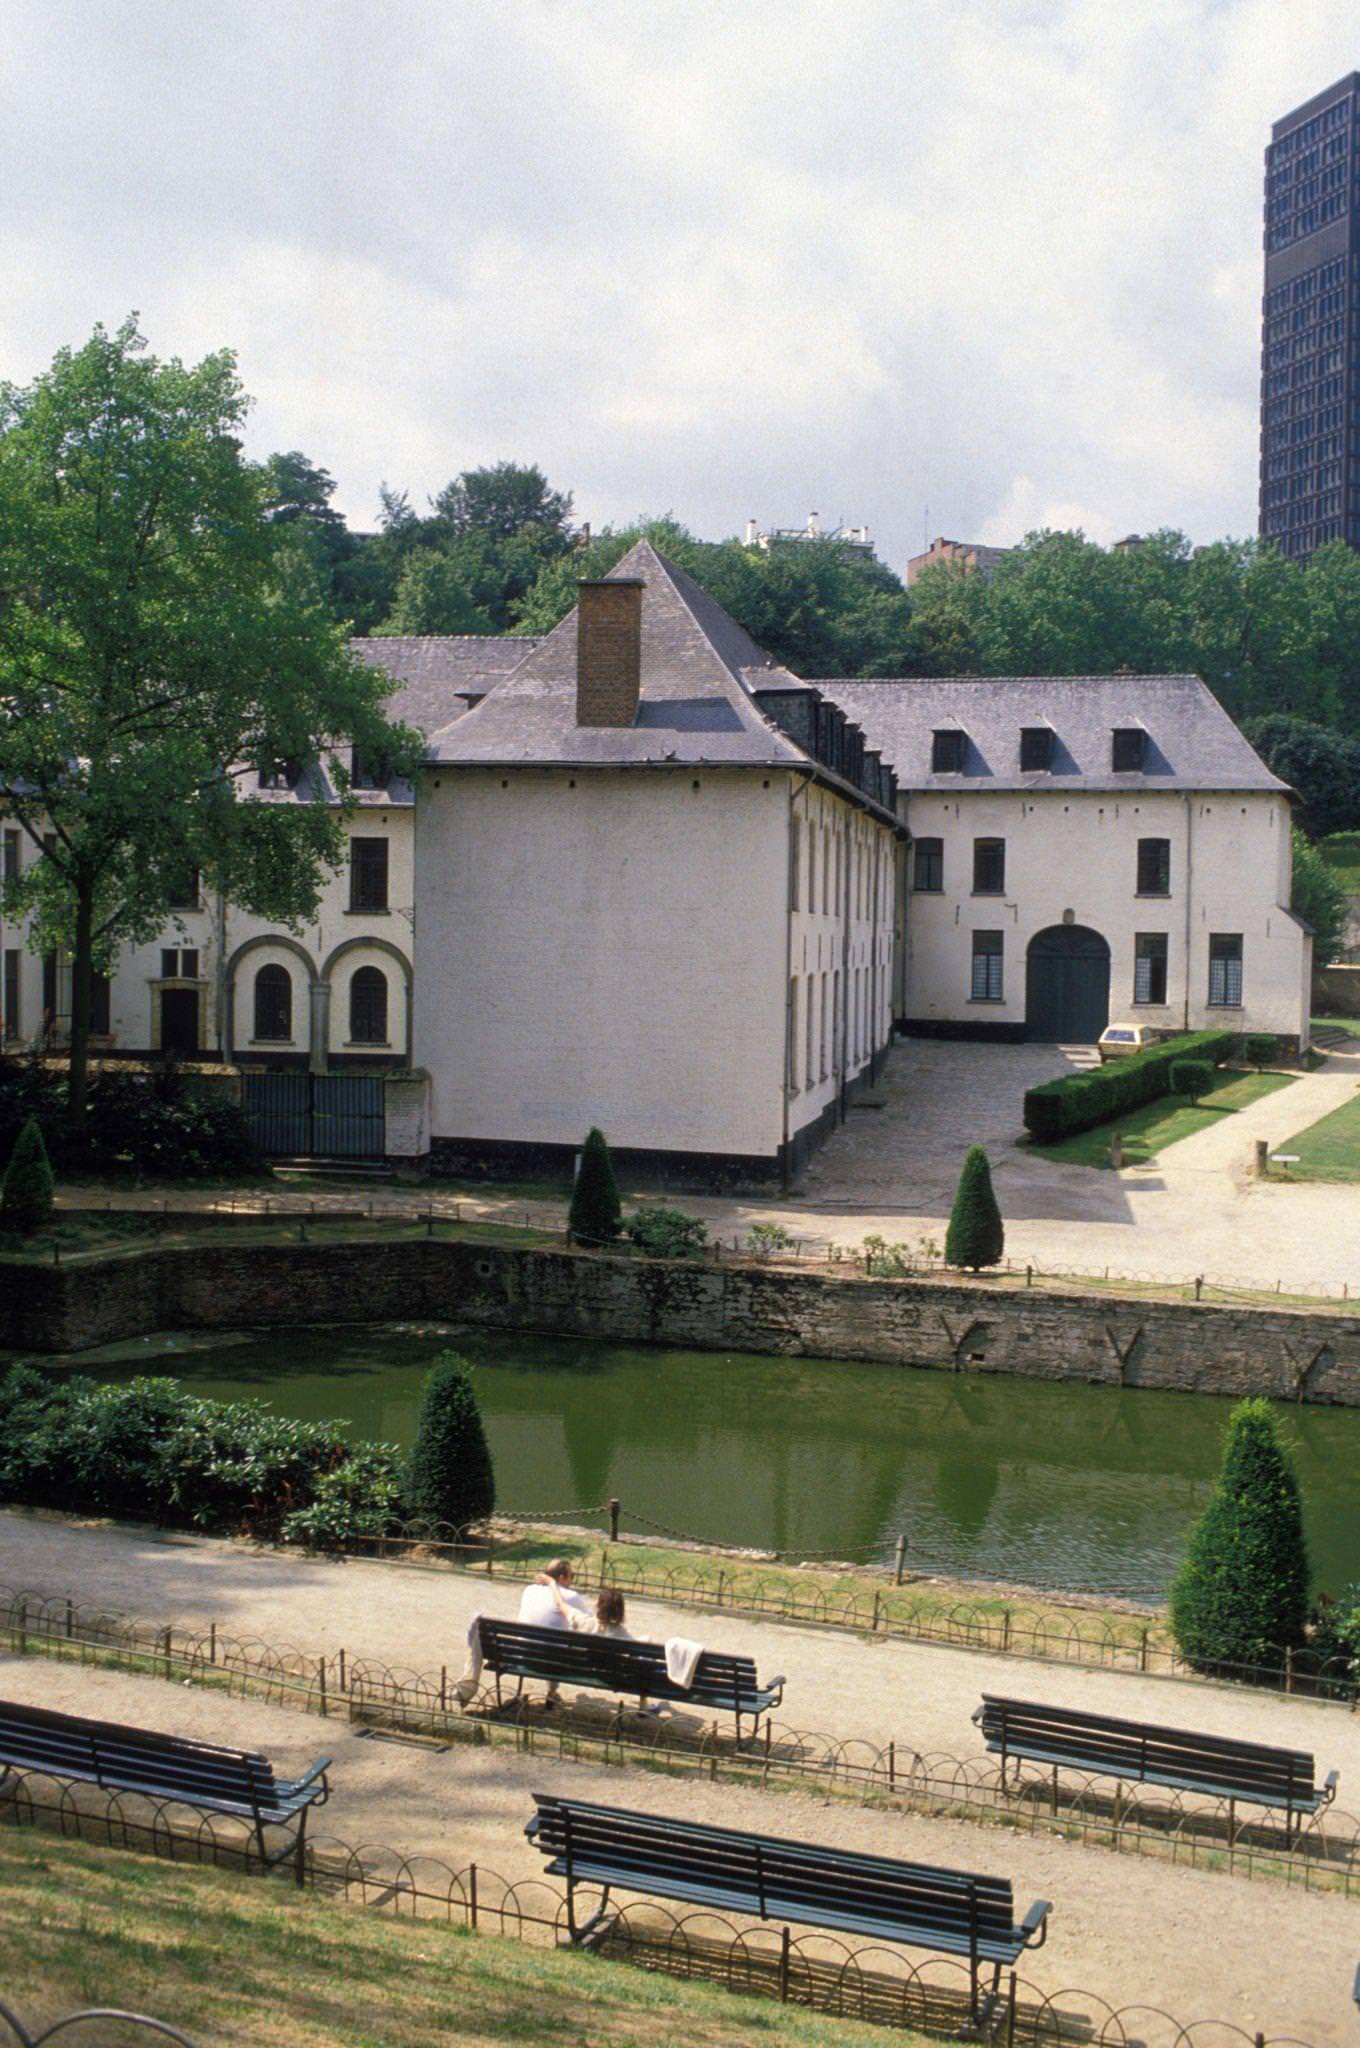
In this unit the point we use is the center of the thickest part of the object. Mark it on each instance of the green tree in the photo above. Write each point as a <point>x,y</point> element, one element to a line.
<point>593,1217</point>
<point>1319,899</point>
<point>820,606</point>
<point>502,499</point>
<point>975,1236</point>
<point>1241,1595</point>
<point>1191,1078</point>
<point>449,1477</point>
<point>1321,765</point>
<point>158,632</point>
<point>432,597</point>
<point>27,1197</point>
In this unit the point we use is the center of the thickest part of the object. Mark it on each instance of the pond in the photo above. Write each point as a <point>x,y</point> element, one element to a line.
<point>1027,1480</point>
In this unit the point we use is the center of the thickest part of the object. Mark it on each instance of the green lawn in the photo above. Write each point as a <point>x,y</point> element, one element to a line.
<point>1148,1131</point>
<point>1342,855</point>
<point>1347,1024</point>
<point>249,1961</point>
<point>1330,1148</point>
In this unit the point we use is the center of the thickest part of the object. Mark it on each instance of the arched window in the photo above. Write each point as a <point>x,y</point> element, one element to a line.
<point>273,1002</point>
<point>368,1007</point>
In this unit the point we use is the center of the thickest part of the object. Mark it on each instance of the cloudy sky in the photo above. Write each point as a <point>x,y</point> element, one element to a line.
<point>970,265</point>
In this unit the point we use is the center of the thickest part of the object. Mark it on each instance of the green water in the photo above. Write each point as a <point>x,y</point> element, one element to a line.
<point>1033,1481</point>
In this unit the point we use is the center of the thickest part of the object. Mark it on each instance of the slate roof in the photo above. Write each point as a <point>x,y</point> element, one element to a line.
<point>433,672</point>
<point>1192,743</point>
<point>698,666</point>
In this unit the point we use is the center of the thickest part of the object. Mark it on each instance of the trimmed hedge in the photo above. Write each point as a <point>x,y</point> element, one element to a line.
<point>1058,1109</point>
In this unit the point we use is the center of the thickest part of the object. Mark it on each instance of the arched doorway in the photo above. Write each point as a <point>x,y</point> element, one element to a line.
<point>1067,985</point>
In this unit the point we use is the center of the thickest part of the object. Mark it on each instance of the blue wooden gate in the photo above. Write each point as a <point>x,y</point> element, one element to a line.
<point>319,1116</point>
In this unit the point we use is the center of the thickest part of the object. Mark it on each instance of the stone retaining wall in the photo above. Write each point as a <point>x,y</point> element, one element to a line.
<point>954,1325</point>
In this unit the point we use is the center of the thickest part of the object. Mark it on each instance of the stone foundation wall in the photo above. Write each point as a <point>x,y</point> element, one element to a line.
<point>953,1325</point>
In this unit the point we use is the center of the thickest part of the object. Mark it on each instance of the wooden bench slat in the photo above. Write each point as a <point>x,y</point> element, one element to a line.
<point>526,1650</point>
<point>1181,1759</point>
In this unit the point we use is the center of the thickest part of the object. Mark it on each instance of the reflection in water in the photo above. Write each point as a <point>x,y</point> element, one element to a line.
<point>1028,1479</point>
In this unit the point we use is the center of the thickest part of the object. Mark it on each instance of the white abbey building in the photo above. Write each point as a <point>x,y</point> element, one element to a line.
<point>650,880</point>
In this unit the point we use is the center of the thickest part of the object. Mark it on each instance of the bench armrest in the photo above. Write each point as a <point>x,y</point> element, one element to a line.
<point>1329,1789</point>
<point>531,1827</point>
<point>776,1686</point>
<point>1355,1988</point>
<point>976,1716</point>
<point>1036,1922</point>
<point>318,1770</point>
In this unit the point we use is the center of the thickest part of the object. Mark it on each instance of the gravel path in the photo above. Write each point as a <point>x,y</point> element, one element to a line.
<point>1200,1944</point>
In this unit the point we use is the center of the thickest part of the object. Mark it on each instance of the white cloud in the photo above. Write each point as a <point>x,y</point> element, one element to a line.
<point>1002,257</point>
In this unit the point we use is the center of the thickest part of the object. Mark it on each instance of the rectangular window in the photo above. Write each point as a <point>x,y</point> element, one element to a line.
<point>369,771</point>
<point>927,866</point>
<point>280,774</point>
<point>1225,970</point>
<point>989,867</point>
<point>795,860</point>
<point>169,963</point>
<point>11,867</point>
<point>1036,749</point>
<point>1149,967</point>
<point>99,1005</point>
<point>1154,867</point>
<point>1127,743</point>
<point>184,891</point>
<point>368,874</point>
<point>11,992</point>
<point>947,751</point>
<point>810,1063</point>
<point>987,960</point>
<point>823,1033</point>
<point>188,963</point>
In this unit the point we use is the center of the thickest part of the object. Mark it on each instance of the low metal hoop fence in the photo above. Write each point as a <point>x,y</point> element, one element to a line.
<point>871,1982</point>
<point>1320,1851</point>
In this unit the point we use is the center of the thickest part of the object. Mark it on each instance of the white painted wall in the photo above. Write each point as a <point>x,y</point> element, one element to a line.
<point>841,951</point>
<point>603,948</point>
<point>1077,853</point>
<point>328,950</point>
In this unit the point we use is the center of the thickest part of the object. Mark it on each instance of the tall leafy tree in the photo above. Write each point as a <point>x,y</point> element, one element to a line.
<point>1320,765</point>
<point>158,632</point>
<point>499,501</point>
<point>1319,899</point>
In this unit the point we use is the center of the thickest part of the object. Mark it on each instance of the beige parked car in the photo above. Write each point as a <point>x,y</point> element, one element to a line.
<point>1118,1041</point>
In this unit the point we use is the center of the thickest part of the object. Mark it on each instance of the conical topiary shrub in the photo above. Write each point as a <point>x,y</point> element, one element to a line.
<point>1241,1595</point>
<point>449,1477</point>
<point>975,1236</point>
<point>29,1190</point>
<point>593,1217</point>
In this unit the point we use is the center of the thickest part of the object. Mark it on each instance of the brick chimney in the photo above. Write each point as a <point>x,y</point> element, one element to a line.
<point>608,650</point>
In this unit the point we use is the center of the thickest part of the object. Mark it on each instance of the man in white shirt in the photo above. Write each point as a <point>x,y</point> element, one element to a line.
<point>541,1603</point>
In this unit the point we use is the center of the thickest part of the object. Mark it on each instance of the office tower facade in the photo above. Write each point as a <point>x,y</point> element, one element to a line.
<point>1310,344</point>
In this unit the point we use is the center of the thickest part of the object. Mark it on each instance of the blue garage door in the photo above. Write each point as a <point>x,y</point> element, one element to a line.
<point>1067,985</point>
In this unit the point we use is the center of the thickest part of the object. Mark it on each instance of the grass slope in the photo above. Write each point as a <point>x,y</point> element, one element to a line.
<point>245,1960</point>
<point>1330,1148</point>
<point>1149,1130</point>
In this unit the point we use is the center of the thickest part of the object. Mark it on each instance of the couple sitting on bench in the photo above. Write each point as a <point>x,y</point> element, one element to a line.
<point>551,1601</point>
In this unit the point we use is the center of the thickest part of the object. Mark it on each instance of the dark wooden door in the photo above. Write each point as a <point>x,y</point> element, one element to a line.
<point>179,1020</point>
<point>1067,985</point>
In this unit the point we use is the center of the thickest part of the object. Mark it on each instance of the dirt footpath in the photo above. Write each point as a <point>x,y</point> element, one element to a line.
<point>919,1695</point>
<point>1198,1943</point>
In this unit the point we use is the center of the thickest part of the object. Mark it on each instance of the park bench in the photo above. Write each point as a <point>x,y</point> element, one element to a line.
<point>1218,1765</point>
<point>521,1649</point>
<point>951,1911</point>
<point>171,1767</point>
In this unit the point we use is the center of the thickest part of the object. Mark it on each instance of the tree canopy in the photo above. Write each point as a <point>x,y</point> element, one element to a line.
<point>161,624</point>
<point>1321,766</point>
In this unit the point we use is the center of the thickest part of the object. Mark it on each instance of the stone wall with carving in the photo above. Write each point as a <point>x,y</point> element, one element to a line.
<point>953,1325</point>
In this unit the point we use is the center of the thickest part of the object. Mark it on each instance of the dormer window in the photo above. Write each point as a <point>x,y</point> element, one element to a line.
<point>947,748</point>
<point>280,774</point>
<point>1127,745</point>
<point>369,771</point>
<point>1036,749</point>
